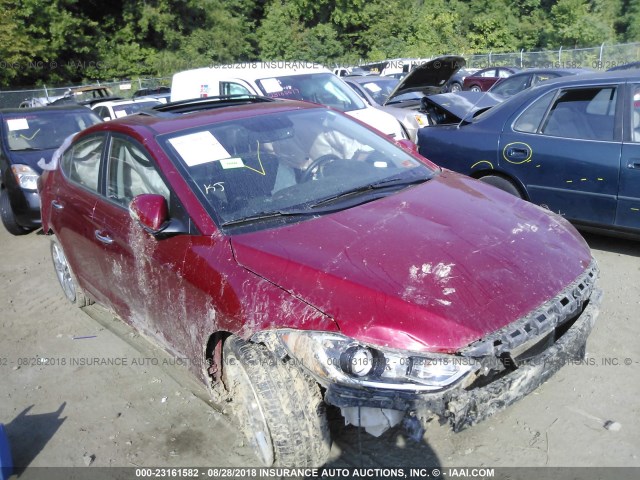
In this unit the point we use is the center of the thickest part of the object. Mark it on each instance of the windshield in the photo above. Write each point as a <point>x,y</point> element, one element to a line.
<point>44,129</point>
<point>322,88</point>
<point>379,88</point>
<point>289,163</point>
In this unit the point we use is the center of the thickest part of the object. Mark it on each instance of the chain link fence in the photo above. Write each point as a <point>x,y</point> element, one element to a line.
<point>603,57</point>
<point>42,96</point>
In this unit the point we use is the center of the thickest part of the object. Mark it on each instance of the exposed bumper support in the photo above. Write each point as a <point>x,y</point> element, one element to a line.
<point>463,408</point>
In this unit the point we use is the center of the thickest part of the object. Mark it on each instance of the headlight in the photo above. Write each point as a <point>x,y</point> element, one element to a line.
<point>334,358</point>
<point>423,120</point>
<point>26,176</point>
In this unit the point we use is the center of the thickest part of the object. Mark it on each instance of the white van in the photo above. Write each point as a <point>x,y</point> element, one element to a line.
<point>309,82</point>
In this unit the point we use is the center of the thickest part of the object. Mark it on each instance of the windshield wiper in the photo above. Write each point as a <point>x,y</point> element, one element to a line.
<point>388,183</point>
<point>267,216</point>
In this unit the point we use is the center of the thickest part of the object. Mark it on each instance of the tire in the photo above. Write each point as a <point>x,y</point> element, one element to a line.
<point>66,278</point>
<point>475,88</point>
<point>503,184</point>
<point>8,218</point>
<point>279,408</point>
<point>455,87</point>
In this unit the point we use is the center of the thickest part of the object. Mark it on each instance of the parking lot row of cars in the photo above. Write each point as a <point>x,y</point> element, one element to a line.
<point>261,228</point>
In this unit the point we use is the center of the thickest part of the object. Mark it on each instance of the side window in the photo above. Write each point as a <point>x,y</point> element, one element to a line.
<point>502,73</point>
<point>585,113</point>
<point>81,163</point>
<point>489,73</point>
<point>131,172</point>
<point>530,120</point>
<point>232,88</point>
<point>635,115</point>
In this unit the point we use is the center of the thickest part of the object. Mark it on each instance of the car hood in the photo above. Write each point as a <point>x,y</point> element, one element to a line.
<point>432,268</point>
<point>31,157</point>
<point>463,105</point>
<point>429,77</point>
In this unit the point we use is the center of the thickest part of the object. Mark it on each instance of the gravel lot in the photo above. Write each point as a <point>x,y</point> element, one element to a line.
<point>76,411</point>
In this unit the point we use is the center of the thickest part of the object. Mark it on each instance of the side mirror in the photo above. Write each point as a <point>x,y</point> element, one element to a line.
<point>408,145</point>
<point>151,211</point>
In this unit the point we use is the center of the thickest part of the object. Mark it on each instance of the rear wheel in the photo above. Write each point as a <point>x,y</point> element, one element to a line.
<point>8,218</point>
<point>503,184</point>
<point>455,87</point>
<point>66,277</point>
<point>279,408</point>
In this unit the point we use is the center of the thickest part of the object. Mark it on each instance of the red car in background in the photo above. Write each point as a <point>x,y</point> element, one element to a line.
<point>483,80</point>
<point>297,258</point>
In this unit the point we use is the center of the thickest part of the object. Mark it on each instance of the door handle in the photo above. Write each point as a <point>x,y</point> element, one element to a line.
<point>517,152</point>
<point>106,239</point>
<point>57,205</point>
<point>633,165</point>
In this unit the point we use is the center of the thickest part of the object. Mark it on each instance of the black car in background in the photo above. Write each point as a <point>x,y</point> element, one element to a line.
<point>517,82</point>
<point>27,136</point>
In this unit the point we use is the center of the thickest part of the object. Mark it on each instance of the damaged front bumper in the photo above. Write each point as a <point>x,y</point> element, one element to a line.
<point>463,406</point>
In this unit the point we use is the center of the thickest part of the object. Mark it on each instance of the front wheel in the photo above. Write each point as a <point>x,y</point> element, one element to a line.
<point>8,218</point>
<point>475,88</point>
<point>503,184</point>
<point>455,87</point>
<point>279,408</point>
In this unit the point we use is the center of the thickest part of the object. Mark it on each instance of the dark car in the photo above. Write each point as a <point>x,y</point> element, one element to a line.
<point>455,82</point>
<point>454,107</point>
<point>27,136</point>
<point>483,80</point>
<point>87,96</point>
<point>293,258</point>
<point>571,144</point>
<point>517,82</point>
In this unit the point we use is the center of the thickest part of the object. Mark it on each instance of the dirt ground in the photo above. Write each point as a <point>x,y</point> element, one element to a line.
<point>73,411</point>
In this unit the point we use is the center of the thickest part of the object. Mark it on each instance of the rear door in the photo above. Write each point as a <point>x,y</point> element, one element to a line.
<point>72,211</point>
<point>565,149</point>
<point>628,212</point>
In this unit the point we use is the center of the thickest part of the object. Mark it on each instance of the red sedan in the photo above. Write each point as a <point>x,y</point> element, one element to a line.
<point>296,258</point>
<point>483,80</point>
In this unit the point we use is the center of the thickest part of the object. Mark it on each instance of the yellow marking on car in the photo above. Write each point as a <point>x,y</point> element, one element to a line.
<point>482,161</point>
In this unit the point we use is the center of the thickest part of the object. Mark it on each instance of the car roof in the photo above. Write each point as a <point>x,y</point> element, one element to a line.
<point>60,108</point>
<point>561,71</point>
<point>115,103</point>
<point>513,69</point>
<point>257,70</point>
<point>174,122</point>
<point>618,76</point>
<point>369,78</point>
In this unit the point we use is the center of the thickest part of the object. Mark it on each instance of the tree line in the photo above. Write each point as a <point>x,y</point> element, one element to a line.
<point>68,41</point>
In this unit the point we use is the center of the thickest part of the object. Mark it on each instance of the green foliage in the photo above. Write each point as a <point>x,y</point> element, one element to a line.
<point>61,41</point>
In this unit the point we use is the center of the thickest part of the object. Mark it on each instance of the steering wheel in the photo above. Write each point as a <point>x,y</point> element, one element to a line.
<point>317,165</point>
